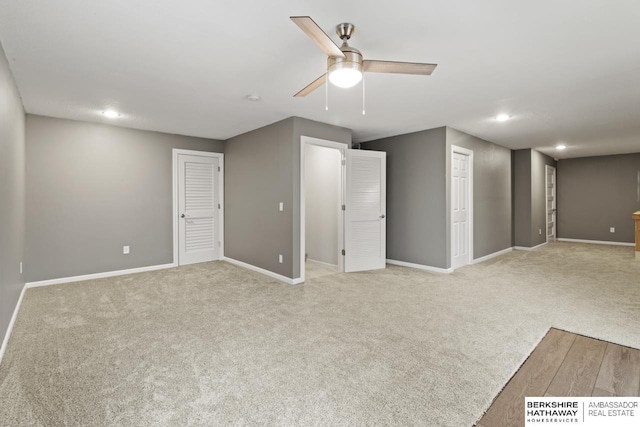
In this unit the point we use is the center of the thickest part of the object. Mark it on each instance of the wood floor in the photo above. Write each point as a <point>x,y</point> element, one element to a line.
<point>566,364</point>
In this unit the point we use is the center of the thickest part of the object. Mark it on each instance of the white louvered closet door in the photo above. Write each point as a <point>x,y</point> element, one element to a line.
<point>198,205</point>
<point>365,212</point>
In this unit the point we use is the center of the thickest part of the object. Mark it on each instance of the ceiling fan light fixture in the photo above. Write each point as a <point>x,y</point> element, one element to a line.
<point>111,114</point>
<point>345,77</point>
<point>345,72</point>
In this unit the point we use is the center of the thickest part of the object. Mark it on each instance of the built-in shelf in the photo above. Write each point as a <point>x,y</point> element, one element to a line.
<point>636,217</point>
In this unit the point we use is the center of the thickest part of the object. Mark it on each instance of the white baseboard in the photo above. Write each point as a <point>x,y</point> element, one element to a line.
<point>98,275</point>
<point>263,271</point>
<point>420,266</point>
<point>493,255</point>
<point>324,264</point>
<point>526,248</point>
<point>597,242</point>
<point>7,335</point>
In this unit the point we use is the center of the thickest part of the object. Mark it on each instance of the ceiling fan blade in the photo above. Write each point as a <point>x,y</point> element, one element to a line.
<point>312,86</point>
<point>321,38</point>
<point>399,67</point>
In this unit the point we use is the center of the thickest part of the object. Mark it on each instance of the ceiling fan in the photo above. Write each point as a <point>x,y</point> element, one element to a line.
<point>345,64</point>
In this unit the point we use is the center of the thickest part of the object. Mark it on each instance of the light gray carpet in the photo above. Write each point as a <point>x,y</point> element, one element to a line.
<point>214,344</point>
<point>314,270</point>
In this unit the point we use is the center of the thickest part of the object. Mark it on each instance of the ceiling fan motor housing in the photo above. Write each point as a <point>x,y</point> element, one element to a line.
<point>353,59</point>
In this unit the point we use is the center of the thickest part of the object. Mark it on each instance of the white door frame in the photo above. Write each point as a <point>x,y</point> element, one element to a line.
<point>342,147</point>
<point>555,202</point>
<point>466,152</point>
<point>175,153</point>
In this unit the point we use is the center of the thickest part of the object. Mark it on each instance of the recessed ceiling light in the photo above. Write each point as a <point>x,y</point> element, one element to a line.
<point>560,147</point>
<point>111,114</point>
<point>503,117</point>
<point>254,98</point>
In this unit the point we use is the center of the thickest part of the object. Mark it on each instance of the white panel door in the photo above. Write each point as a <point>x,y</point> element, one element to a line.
<point>460,210</point>
<point>198,199</point>
<point>551,203</point>
<point>365,213</point>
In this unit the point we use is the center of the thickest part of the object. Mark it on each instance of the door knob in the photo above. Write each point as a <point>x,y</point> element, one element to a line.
<point>182,216</point>
<point>382,216</point>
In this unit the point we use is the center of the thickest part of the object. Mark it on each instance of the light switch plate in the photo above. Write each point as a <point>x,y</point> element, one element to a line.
<point>280,258</point>
<point>612,230</point>
<point>281,206</point>
<point>125,250</point>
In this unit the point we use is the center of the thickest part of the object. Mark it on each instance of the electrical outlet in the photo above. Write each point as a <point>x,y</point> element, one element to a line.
<point>280,258</point>
<point>539,231</point>
<point>20,267</point>
<point>281,206</point>
<point>612,230</point>
<point>125,250</point>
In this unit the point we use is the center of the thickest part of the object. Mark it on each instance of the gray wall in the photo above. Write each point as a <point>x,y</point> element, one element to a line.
<point>92,188</point>
<point>323,181</point>
<point>263,169</point>
<point>522,198</point>
<point>416,211</point>
<point>418,195</point>
<point>492,195</point>
<point>258,175</point>
<point>595,193</point>
<point>12,193</point>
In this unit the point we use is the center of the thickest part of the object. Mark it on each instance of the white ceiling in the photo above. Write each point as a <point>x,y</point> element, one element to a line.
<point>566,70</point>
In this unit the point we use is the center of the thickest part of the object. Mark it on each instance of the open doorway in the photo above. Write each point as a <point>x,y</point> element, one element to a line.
<point>322,200</point>
<point>360,207</point>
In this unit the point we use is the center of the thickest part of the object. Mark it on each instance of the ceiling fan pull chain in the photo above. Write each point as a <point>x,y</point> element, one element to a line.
<point>363,99</point>
<point>326,92</point>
